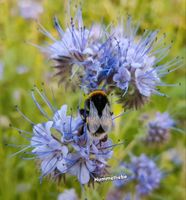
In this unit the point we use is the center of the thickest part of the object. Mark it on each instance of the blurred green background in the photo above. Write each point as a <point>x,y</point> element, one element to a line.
<point>22,66</point>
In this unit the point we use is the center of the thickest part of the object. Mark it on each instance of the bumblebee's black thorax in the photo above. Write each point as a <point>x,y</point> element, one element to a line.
<point>99,99</point>
<point>96,114</point>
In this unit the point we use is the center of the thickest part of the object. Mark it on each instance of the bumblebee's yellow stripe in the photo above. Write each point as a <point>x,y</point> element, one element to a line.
<point>96,92</point>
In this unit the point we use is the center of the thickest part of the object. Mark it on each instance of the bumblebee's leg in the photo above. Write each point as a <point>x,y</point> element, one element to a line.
<point>82,112</point>
<point>87,105</point>
<point>103,140</point>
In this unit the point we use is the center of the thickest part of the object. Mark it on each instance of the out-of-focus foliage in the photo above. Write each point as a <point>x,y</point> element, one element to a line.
<point>22,66</point>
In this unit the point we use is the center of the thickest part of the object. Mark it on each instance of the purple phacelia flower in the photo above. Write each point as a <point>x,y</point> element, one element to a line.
<point>74,50</point>
<point>146,173</point>
<point>159,128</point>
<point>63,145</point>
<point>163,120</point>
<point>143,172</point>
<point>141,60</point>
<point>116,60</point>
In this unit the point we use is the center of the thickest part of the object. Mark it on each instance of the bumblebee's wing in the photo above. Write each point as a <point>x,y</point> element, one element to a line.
<point>93,118</point>
<point>106,118</point>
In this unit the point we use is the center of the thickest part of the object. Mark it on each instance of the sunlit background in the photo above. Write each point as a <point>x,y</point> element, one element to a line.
<point>22,66</point>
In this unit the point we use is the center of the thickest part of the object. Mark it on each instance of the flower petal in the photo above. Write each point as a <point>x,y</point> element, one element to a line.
<point>48,165</point>
<point>62,166</point>
<point>83,174</point>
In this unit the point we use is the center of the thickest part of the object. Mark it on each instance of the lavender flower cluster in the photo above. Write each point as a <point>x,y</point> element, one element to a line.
<point>72,151</point>
<point>145,174</point>
<point>113,60</point>
<point>159,128</point>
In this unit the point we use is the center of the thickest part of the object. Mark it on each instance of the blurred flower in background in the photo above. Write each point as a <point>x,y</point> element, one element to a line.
<point>1,70</point>
<point>68,195</point>
<point>145,175</point>
<point>174,157</point>
<point>159,128</point>
<point>30,9</point>
<point>123,169</point>
<point>22,69</point>
<point>114,194</point>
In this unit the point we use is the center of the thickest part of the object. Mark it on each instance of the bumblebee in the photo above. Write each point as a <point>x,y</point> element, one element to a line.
<point>97,114</point>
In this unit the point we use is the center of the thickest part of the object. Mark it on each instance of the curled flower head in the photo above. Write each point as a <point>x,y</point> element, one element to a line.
<point>140,58</point>
<point>159,128</point>
<point>117,60</point>
<point>75,49</point>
